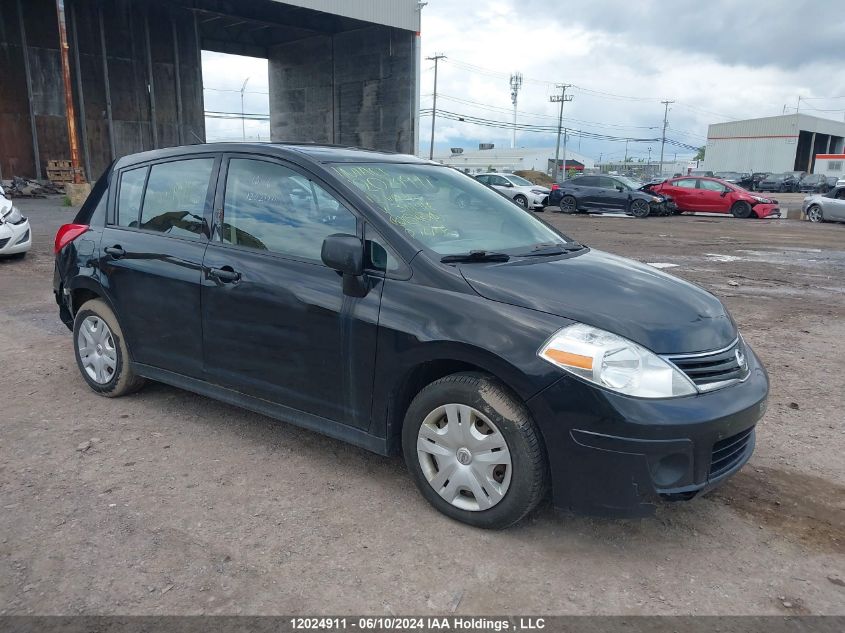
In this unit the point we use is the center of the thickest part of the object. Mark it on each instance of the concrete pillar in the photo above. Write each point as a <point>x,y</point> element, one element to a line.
<point>353,88</point>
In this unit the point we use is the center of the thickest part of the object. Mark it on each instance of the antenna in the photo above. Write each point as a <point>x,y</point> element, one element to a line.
<point>516,84</point>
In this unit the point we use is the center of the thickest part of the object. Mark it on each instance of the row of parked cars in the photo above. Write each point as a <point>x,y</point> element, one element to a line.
<point>789,181</point>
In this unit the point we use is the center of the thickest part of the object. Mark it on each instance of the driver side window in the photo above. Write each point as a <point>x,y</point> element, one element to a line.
<point>710,185</point>
<point>270,207</point>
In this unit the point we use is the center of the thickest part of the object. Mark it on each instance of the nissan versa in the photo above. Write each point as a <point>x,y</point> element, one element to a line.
<point>344,291</point>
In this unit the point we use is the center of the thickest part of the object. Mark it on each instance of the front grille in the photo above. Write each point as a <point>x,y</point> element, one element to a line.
<point>545,201</point>
<point>729,451</point>
<point>714,369</point>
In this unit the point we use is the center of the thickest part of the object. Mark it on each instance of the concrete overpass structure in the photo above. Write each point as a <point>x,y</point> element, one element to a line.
<point>341,71</point>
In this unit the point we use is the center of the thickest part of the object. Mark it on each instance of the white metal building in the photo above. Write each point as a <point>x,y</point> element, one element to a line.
<point>507,160</point>
<point>774,144</point>
<point>830,165</point>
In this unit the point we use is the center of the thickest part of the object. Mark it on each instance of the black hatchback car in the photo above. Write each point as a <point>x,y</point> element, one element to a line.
<point>345,291</point>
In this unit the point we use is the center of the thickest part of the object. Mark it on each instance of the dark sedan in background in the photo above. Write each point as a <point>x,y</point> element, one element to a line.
<point>739,179</point>
<point>781,183</point>
<point>600,194</point>
<point>814,183</point>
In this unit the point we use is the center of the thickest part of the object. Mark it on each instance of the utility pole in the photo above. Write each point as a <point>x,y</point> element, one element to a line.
<point>561,98</point>
<point>563,163</point>
<point>626,151</point>
<point>665,123</point>
<point>243,121</point>
<point>437,57</point>
<point>516,84</point>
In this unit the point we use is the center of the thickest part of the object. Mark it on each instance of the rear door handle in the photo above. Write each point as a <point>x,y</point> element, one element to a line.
<point>225,274</point>
<point>115,251</point>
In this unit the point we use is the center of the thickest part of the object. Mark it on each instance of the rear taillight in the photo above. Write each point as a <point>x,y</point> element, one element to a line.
<point>555,187</point>
<point>66,234</point>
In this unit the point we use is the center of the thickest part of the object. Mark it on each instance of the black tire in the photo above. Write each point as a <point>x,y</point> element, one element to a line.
<point>568,204</point>
<point>521,200</point>
<point>123,380</point>
<point>529,474</point>
<point>639,208</point>
<point>815,214</point>
<point>741,210</point>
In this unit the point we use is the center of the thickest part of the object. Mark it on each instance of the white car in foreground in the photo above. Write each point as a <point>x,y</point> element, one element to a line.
<point>524,192</point>
<point>15,234</point>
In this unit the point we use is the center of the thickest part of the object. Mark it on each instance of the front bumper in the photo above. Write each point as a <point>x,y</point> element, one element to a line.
<point>538,201</point>
<point>615,455</point>
<point>764,210</point>
<point>15,238</point>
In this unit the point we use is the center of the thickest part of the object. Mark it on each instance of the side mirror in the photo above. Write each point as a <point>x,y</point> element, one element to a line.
<point>620,188</point>
<point>345,254</point>
<point>724,193</point>
<point>509,185</point>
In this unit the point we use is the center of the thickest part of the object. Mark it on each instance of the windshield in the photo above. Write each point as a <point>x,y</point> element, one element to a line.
<point>629,182</point>
<point>520,182</point>
<point>446,211</point>
<point>812,178</point>
<point>776,177</point>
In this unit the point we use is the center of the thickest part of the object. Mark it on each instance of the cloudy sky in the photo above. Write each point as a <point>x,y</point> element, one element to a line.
<point>718,60</point>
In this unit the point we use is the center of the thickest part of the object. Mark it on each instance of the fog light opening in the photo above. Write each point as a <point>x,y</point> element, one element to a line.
<point>669,469</point>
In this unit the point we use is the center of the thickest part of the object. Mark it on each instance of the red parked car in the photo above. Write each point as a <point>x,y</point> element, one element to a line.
<point>696,193</point>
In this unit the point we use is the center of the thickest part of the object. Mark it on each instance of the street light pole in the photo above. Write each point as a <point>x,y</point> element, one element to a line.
<point>561,98</point>
<point>243,120</point>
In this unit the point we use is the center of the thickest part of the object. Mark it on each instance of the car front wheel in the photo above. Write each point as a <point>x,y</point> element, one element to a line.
<point>474,452</point>
<point>101,352</point>
<point>521,201</point>
<point>640,208</point>
<point>741,210</point>
<point>814,214</point>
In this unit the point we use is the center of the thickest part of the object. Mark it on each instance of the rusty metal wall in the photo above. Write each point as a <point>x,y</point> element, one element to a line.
<point>143,41</point>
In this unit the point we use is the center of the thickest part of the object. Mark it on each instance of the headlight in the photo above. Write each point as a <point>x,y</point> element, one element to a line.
<point>538,192</point>
<point>615,363</point>
<point>759,199</point>
<point>656,199</point>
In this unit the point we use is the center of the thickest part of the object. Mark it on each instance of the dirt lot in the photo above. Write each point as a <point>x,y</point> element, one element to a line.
<point>184,505</point>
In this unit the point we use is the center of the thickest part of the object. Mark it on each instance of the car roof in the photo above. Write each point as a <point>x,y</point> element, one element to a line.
<point>315,152</point>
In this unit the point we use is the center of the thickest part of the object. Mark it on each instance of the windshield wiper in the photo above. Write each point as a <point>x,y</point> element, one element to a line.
<point>475,256</point>
<point>542,250</point>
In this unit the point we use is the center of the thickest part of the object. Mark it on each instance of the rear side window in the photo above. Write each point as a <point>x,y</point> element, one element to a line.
<point>271,207</point>
<point>176,195</point>
<point>586,181</point>
<point>686,183</point>
<point>131,194</point>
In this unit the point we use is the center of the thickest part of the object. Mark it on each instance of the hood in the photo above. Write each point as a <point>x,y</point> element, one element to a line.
<point>527,188</point>
<point>660,312</point>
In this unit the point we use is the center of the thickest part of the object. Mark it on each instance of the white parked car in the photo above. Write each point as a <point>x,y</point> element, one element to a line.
<point>525,193</point>
<point>15,234</point>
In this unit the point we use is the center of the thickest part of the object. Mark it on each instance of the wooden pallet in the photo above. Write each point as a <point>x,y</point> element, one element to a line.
<point>61,171</point>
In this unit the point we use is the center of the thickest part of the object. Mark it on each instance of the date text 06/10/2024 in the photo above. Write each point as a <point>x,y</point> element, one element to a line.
<point>418,623</point>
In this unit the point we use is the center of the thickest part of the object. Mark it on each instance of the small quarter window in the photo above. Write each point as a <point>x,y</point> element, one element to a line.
<point>131,193</point>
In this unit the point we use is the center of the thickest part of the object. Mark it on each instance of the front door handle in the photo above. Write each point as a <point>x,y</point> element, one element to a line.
<point>225,274</point>
<point>115,251</point>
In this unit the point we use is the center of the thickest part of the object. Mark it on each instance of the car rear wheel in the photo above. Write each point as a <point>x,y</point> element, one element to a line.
<point>474,452</point>
<point>101,353</point>
<point>568,204</point>
<point>521,201</point>
<point>814,214</point>
<point>640,208</point>
<point>741,210</point>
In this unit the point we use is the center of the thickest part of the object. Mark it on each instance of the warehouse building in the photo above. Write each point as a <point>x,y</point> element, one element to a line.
<point>339,72</point>
<point>488,158</point>
<point>772,144</point>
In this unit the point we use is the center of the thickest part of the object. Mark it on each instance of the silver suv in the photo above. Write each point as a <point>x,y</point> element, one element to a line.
<point>525,193</point>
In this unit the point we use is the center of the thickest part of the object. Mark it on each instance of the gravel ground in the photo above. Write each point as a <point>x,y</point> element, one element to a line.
<point>182,505</point>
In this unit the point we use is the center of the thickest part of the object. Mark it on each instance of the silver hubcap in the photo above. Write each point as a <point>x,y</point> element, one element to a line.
<point>464,457</point>
<point>815,216</point>
<point>96,349</point>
